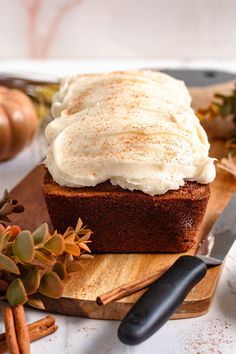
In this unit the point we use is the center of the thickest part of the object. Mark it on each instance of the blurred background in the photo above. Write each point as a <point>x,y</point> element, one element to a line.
<point>124,29</point>
<point>78,36</point>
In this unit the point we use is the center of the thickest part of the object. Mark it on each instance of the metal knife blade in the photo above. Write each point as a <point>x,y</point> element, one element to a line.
<point>216,245</point>
<point>163,297</point>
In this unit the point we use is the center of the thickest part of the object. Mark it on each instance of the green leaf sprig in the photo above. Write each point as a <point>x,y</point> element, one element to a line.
<point>38,262</point>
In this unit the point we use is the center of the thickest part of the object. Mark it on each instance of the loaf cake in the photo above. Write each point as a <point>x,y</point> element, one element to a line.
<point>128,156</point>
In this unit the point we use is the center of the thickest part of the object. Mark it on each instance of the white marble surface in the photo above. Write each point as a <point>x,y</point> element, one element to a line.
<point>213,333</point>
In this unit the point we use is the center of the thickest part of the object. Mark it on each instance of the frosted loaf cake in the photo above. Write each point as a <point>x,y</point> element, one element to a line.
<point>128,155</point>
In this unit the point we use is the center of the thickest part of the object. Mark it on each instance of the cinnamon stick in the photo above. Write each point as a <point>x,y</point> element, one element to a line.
<point>11,338</point>
<point>47,321</point>
<point>21,329</point>
<point>130,288</point>
<point>37,330</point>
<point>40,332</point>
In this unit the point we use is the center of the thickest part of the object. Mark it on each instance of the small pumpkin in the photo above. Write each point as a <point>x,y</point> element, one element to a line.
<point>18,122</point>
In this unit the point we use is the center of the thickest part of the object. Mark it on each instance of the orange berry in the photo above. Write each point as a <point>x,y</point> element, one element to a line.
<point>14,230</point>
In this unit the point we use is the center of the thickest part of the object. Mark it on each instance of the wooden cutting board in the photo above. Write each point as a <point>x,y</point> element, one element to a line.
<point>108,271</point>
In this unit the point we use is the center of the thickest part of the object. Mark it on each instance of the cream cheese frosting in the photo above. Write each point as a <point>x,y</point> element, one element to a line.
<point>136,129</point>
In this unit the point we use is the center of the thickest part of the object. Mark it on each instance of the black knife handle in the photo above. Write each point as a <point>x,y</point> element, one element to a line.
<point>160,301</point>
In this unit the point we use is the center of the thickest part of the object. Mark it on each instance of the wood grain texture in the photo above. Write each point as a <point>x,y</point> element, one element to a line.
<point>108,271</point>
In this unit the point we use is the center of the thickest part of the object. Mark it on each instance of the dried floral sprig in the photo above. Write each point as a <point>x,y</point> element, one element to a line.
<point>228,164</point>
<point>41,95</point>
<point>224,107</point>
<point>9,206</point>
<point>38,262</point>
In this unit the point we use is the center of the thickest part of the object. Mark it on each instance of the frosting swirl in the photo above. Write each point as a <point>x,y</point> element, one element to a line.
<point>136,129</point>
